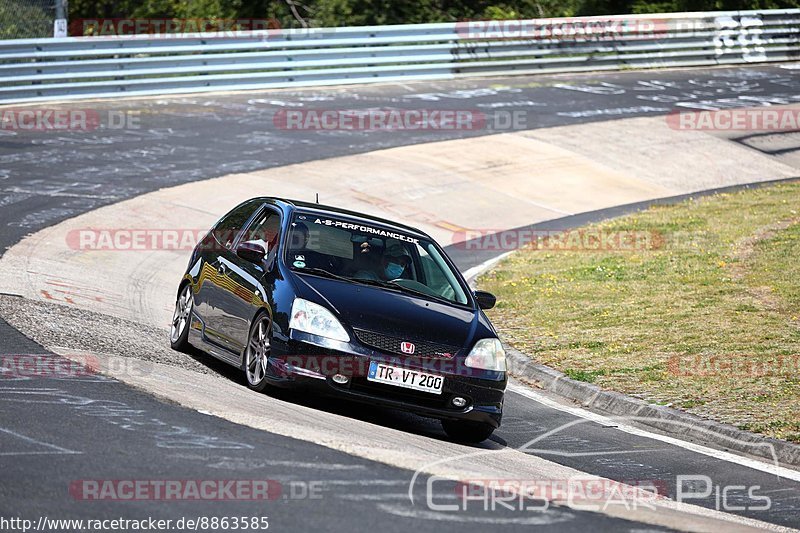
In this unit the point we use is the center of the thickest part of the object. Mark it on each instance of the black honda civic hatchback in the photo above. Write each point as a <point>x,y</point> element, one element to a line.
<point>301,294</point>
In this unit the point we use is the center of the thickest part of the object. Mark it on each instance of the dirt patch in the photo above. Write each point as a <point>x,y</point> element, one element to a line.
<point>85,331</point>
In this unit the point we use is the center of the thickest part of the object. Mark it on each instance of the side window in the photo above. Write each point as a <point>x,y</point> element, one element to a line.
<point>434,277</point>
<point>264,229</point>
<point>230,225</point>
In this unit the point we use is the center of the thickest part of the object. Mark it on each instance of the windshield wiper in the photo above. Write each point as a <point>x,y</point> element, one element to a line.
<point>402,288</point>
<point>422,293</point>
<point>322,272</point>
<point>375,282</point>
<point>327,274</point>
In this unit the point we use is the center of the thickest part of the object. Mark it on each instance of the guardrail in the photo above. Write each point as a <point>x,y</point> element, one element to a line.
<point>140,65</point>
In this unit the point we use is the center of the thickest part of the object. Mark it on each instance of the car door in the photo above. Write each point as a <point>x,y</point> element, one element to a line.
<point>244,289</point>
<point>213,279</point>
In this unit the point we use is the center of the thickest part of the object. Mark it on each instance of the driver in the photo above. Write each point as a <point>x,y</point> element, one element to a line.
<point>395,262</point>
<point>299,237</point>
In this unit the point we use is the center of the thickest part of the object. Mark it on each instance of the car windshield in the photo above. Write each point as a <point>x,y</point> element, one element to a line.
<point>359,252</point>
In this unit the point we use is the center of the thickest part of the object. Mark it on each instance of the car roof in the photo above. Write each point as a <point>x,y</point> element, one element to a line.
<point>327,209</point>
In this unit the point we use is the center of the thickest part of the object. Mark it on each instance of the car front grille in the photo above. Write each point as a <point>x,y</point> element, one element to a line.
<point>391,344</point>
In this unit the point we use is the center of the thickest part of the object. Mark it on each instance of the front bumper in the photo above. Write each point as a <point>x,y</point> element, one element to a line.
<point>311,361</point>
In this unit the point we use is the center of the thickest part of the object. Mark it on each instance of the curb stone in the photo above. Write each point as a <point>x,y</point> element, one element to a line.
<point>671,421</point>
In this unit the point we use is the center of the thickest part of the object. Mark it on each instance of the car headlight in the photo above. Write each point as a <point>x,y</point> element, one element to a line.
<point>487,354</point>
<point>315,319</point>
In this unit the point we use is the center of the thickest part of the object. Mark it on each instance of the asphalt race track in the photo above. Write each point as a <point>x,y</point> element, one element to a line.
<point>58,433</point>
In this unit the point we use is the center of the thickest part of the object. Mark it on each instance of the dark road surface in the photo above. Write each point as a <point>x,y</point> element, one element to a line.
<point>56,432</point>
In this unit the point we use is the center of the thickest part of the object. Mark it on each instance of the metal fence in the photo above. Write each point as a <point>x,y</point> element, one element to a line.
<point>137,65</point>
<point>26,19</point>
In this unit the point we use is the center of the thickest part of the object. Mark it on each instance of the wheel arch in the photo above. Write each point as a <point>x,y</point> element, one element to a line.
<point>263,309</point>
<point>187,279</point>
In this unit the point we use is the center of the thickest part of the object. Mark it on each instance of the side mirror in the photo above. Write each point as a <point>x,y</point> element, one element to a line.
<point>252,251</point>
<point>486,300</point>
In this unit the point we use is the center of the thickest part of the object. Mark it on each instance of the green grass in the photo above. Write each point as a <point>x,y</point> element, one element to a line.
<point>723,288</point>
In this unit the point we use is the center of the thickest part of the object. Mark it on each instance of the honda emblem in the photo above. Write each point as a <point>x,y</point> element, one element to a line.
<point>407,347</point>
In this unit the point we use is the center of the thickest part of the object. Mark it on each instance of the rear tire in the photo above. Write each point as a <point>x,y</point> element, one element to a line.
<point>181,319</point>
<point>256,354</point>
<point>467,431</point>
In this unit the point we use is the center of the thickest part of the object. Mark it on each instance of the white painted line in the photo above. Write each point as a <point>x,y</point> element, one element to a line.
<point>590,454</point>
<point>366,482</point>
<point>486,265</point>
<point>774,469</point>
<point>14,454</point>
<point>549,208</point>
<point>57,449</point>
<point>553,517</point>
<point>33,390</point>
<point>314,466</point>
<point>399,496</point>
<point>249,463</point>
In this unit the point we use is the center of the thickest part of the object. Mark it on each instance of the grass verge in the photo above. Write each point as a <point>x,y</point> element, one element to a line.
<point>700,310</point>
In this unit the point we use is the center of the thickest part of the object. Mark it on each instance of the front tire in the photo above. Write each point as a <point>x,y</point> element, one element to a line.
<point>256,359</point>
<point>181,319</point>
<point>467,431</point>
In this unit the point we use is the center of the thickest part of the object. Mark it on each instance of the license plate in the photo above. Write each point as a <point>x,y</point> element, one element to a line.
<point>402,377</point>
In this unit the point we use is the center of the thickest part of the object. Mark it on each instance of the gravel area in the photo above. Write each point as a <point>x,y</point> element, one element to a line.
<point>59,325</point>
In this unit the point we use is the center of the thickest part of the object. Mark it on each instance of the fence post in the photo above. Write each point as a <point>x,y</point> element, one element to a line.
<point>60,23</point>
